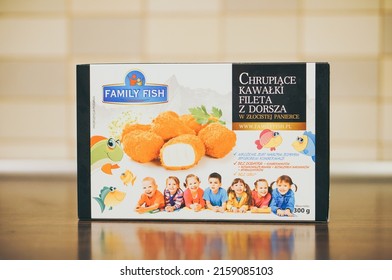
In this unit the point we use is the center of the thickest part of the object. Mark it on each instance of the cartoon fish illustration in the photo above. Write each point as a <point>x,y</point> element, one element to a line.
<point>109,197</point>
<point>306,144</point>
<point>104,152</point>
<point>128,177</point>
<point>268,139</point>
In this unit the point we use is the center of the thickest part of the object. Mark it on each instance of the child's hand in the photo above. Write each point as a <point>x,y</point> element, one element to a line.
<point>197,207</point>
<point>253,208</point>
<point>288,213</point>
<point>234,209</point>
<point>221,209</point>
<point>280,212</point>
<point>242,209</point>
<point>169,208</point>
<point>141,210</point>
<point>215,209</point>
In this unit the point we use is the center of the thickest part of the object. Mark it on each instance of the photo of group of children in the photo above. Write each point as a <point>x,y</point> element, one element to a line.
<point>277,197</point>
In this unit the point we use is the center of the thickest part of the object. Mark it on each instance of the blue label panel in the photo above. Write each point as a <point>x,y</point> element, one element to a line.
<point>135,94</point>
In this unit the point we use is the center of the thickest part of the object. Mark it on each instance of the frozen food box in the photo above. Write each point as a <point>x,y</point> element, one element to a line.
<point>203,142</point>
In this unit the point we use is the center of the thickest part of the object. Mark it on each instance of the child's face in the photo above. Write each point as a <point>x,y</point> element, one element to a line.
<point>192,183</point>
<point>149,188</point>
<point>172,186</point>
<point>238,188</point>
<point>262,188</point>
<point>283,187</point>
<point>214,184</point>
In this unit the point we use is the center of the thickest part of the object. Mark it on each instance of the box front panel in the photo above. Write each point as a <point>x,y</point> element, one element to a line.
<point>240,136</point>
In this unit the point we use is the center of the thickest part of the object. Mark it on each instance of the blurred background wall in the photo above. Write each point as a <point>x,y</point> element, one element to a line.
<point>41,41</point>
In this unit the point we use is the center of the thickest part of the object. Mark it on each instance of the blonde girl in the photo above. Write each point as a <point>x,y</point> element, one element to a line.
<point>193,194</point>
<point>261,194</point>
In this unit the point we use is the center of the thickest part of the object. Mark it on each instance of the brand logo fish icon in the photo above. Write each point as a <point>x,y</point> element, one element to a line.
<point>135,90</point>
<point>136,78</point>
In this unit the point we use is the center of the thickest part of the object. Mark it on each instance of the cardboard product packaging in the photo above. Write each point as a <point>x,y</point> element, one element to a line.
<point>203,142</point>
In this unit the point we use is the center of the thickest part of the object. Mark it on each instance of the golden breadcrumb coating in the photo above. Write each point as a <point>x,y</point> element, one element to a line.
<point>218,140</point>
<point>168,125</point>
<point>191,122</point>
<point>134,126</point>
<point>142,146</point>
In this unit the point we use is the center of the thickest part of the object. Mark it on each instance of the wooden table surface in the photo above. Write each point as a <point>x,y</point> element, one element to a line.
<point>38,220</point>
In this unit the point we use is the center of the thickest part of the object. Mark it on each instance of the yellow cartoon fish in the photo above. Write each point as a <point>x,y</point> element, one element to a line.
<point>109,197</point>
<point>128,177</point>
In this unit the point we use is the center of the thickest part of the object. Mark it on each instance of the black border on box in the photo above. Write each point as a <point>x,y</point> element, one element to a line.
<point>83,141</point>
<point>322,142</point>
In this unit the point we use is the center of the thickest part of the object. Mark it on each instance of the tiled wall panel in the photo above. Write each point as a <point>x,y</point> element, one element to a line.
<point>339,5</point>
<point>387,152</point>
<point>387,34</point>
<point>354,122</point>
<point>33,78</point>
<point>105,7</point>
<point>39,150</point>
<point>43,40</point>
<point>386,126</point>
<point>354,79</point>
<point>388,5</point>
<point>182,36</point>
<point>261,6</point>
<point>184,6</point>
<point>261,35</point>
<point>385,78</point>
<point>353,152</point>
<point>33,6</point>
<point>105,36</point>
<point>32,120</point>
<point>43,37</point>
<point>331,35</point>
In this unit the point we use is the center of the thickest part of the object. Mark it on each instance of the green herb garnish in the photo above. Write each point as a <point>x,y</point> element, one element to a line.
<point>203,117</point>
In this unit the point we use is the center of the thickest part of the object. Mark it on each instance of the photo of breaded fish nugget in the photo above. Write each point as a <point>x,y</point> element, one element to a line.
<point>168,125</point>
<point>134,126</point>
<point>218,140</point>
<point>142,146</point>
<point>182,152</point>
<point>191,122</point>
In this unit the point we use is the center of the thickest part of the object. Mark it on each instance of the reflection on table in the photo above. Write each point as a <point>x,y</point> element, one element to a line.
<point>149,240</point>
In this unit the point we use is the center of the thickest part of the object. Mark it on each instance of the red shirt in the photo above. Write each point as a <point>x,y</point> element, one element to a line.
<point>260,201</point>
<point>189,199</point>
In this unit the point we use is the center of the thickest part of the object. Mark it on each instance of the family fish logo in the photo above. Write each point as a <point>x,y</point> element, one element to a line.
<point>135,91</point>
